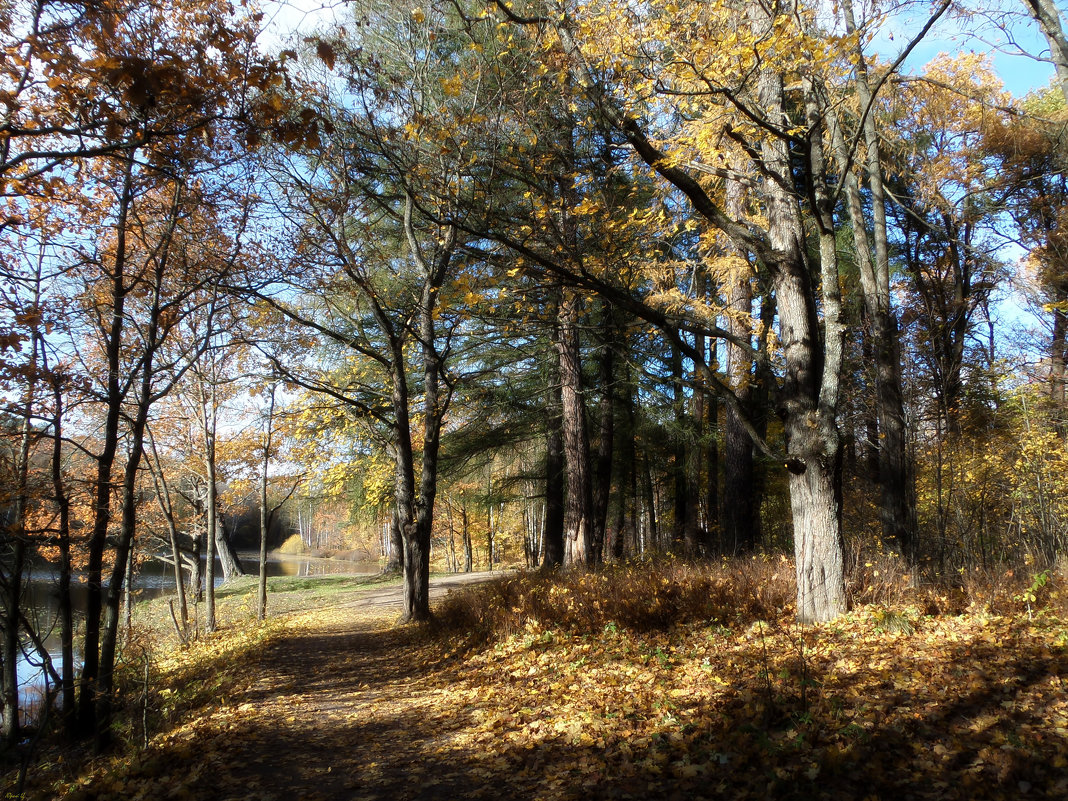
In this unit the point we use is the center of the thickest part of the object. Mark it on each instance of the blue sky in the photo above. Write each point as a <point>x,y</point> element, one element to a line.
<point>1020,55</point>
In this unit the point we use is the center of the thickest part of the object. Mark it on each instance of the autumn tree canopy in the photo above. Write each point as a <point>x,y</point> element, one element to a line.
<point>551,283</point>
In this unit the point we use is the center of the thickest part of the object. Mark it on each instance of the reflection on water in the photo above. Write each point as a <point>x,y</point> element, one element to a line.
<point>153,579</point>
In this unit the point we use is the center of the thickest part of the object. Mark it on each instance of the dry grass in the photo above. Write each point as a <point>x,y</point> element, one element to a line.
<point>638,596</point>
<point>887,581</point>
<point>643,596</point>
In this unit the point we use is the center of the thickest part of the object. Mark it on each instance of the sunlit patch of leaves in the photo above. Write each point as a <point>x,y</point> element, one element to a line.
<point>965,706</point>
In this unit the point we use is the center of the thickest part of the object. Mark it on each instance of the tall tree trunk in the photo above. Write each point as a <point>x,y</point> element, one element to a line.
<point>10,651</point>
<point>265,518</point>
<point>16,543</point>
<point>395,556</point>
<point>435,405</point>
<point>491,534</point>
<point>163,500</point>
<point>897,506</point>
<point>403,462</point>
<point>128,526</point>
<point>652,529</point>
<point>740,518</point>
<point>105,460</point>
<point>809,396</point>
<point>602,486</point>
<point>66,606</point>
<point>577,515</point>
<point>211,536</point>
<point>469,557</point>
<point>628,473</point>
<point>104,689</point>
<point>1058,357</point>
<point>684,467</point>
<point>706,454</point>
<point>555,469</point>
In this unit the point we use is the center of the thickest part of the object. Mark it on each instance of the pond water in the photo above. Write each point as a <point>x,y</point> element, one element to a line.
<point>154,579</point>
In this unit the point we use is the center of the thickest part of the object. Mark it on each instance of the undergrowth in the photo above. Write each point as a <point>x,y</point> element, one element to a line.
<point>638,595</point>
<point>651,595</point>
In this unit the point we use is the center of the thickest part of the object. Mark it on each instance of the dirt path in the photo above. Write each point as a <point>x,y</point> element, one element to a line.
<point>392,596</point>
<point>348,707</point>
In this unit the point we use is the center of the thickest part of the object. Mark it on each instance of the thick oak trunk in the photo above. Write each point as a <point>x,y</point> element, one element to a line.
<point>808,398</point>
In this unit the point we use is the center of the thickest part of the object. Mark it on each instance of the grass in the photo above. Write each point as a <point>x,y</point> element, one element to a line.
<point>237,600</point>
<point>315,586</point>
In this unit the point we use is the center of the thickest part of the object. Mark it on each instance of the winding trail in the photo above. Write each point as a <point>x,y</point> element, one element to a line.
<point>349,707</point>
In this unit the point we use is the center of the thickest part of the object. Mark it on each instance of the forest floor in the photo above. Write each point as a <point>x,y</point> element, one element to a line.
<point>335,702</point>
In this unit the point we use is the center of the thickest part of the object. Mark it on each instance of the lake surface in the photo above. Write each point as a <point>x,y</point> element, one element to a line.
<point>154,579</point>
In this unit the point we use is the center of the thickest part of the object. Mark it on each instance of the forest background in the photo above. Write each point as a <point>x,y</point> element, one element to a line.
<point>548,284</point>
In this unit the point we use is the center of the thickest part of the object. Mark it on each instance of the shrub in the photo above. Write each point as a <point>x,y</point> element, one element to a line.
<point>639,596</point>
<point>293,545</point>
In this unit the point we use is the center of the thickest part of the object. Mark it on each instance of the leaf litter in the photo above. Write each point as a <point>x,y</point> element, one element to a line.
<point>339,703</point>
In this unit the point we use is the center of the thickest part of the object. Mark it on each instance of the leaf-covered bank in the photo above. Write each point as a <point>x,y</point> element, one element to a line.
<point>887,702</point>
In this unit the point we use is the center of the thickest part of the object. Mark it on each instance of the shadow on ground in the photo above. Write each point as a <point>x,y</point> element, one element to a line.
<point>351,715</point>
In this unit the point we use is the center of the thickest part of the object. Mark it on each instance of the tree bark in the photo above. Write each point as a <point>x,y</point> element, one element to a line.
<point>652,529</point>
<point>231,565</point>
<point>435,405</point>
<point>555,469</point>
<point>684,487</point>
<point>109,641</point>
<point>705,413</point>
<point>577,515</point>
<point>16,534</point>
<point>628,473</point>
<point>265,522</point>
<point>1058,356</point>
<point>809,396</point>
<point>468,555</point>
<point>740,518</point>
<point>66,610</point>
<point>105,460</point>
<point>1049,20</point>
<point>211,537</point>
<point>897,506</point>
<point>602,486</point>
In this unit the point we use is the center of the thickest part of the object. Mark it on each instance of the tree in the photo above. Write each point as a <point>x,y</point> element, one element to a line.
<point>809,391</point>
<point>898,507</point>
<point>123,103</point>
<point>382,296</point>
<point>1030,160</point>
<point>1049,20</point>
<point>21,432</point>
